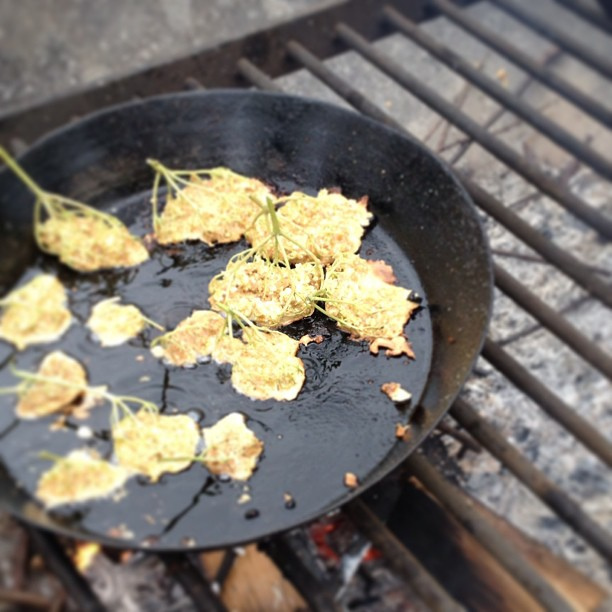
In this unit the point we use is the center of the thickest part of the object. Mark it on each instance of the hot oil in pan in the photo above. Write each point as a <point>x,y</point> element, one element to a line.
<point>341,421</point>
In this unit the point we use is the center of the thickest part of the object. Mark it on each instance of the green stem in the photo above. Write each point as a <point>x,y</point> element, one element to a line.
<point>49,456</point>
<point>153,324</point>
<point>21,173</point>
<point>154,200</point>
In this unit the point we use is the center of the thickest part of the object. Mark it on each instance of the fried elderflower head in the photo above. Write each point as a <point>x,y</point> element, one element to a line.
<point>144,442</point>
<point>193,339</point>
<point>113,324</point>
<point>361,297</point>
<point>84,238</point>
<point>231,448</point>
<point>324,226</point>
<point>265,293</point>
<point>267,367</point>
<point>35,313</point>
<point>87,240</point>
<point>213,206</point>
<point>78,477</point>
<point>58,384</point>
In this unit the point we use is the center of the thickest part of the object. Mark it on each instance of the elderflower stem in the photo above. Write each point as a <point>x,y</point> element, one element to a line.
<point>153,324</point>
<point>49,456</point>
<point>21,173</point>
<point>154,200</point>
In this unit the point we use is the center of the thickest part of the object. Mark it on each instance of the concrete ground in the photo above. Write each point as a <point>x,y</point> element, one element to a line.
<point>50,46</point>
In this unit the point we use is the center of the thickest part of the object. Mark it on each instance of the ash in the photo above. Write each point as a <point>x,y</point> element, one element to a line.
<point>137,584</point>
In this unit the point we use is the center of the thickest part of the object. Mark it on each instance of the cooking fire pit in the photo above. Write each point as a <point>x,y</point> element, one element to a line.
<point>515,100</point>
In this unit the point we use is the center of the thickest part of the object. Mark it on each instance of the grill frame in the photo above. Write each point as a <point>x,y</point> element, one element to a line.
<point>300,44</point>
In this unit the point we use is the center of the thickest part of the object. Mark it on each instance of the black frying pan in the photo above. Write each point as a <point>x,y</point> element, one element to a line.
<point>425,227</point>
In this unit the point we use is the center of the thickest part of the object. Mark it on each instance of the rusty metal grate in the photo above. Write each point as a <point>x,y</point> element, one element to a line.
<point>307,44</point>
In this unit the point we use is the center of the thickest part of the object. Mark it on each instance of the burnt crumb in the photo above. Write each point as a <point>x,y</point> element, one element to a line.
<point>289,501</point>
<point>350,480</point>
<point>253,513</point>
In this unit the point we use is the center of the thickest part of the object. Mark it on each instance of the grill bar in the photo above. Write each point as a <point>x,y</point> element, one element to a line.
<point>553,405</point>
<point>459,505</point>
<point>506,98</point>
<point>579,272</point>
<point>603,65</point>
<point>515,161</point>
<point>253,74</point>
<point>316,593</point>
<point>519,58</point>
<point>553,321</point>
<point>356,99</point>
<point>400,559</point>
<point>558,501</point>
<point>58,562</point>
<point>186,572</point>
<point>588,12</point>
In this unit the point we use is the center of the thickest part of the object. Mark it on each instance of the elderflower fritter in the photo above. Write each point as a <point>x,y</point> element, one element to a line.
<point>231,448</point>
<point>324,226</point>
<point>78,477</point>
<point>214,206</point>
<point>267,367</point>
<point>88,241</point>
<point>152,444</point>
<point>193,339</point>
<point>59,382</point>
<point>113,323</point>
<point>265,293</point>
<point>35,313</point>
<point>84,238</point>
<point>361,297</point>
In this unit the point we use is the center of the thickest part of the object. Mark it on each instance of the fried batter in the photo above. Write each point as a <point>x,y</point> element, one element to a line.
<point>90,243</point>
<point>264,293</point>
<point>113,324</point>
<point>45,397</point>
<point>364,303</point>
<point>35,313</point>
<point>324,226</point>
<point>214,210</point>
<point>231,448</point>
<point>194,338</point>
<point>268,368</point>
<point>396,393</point>
<point>149,443</point>
<point>78,477</point>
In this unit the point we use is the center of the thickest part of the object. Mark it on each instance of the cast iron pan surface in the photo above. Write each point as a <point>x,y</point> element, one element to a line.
<point>425,227</point>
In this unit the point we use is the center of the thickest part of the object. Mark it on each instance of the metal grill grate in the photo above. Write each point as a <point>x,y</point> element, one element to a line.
<point>354,26</point>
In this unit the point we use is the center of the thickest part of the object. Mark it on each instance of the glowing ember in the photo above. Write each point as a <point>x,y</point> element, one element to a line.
<point>84,555</point>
